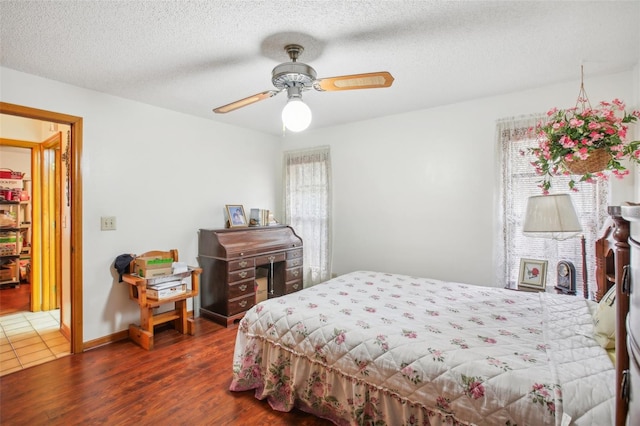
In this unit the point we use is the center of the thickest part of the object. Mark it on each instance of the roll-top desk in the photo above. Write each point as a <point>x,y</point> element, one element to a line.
<point>231,259</point>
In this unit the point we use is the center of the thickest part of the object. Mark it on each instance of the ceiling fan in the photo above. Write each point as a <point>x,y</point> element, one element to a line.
<point>296,77</point>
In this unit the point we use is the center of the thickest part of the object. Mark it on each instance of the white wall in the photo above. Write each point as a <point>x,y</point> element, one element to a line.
<point>164,175</point>
<point>414,193</point>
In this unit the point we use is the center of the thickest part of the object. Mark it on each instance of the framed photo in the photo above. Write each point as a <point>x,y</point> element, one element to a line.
<point>236,216</point>
<point>533,274</point>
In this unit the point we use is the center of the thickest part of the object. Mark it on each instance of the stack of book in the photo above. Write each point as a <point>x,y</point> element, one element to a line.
<point>261,217</point>
<point>165,278</point>
<point>166,290</point>
<point>168,286</point>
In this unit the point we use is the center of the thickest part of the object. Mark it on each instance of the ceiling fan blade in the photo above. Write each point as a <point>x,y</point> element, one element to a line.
<point>372,80</point>
<point>246,101</point>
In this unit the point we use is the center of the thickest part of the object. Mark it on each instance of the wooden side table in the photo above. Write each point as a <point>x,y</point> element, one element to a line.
<point>143,334</point>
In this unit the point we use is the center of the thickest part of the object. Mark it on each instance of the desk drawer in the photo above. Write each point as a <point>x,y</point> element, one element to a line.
<point>241,289</point>
<point>241,275</point>
<point>240,264</point>
<point>294,254</point>
<point>293,263</point>
<point>293,274</point>
<point>267,259</point>
<point>241,304</point>
<point>293,286</point>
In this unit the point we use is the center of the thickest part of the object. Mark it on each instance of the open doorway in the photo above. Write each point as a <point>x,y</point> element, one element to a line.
<point>71,193</point>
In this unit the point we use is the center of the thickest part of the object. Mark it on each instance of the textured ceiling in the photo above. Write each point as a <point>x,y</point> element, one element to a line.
<point>192,56</point>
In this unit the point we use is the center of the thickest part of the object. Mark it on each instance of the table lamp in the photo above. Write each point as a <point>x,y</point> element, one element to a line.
<point>554,216</point>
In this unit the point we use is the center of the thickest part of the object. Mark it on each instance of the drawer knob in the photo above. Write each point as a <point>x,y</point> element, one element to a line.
<point>272,258</point>
<point>243,274</point>
<point>243,287</point>
<point>243,263</point>
<point>295,286</point>
<point>295,273</point>
<point>243,303</point>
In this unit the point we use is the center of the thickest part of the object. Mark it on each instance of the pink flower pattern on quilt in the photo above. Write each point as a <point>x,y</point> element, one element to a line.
<point>457,356</point>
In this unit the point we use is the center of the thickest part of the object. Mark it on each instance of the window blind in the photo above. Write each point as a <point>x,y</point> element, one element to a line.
<point>519,182</point>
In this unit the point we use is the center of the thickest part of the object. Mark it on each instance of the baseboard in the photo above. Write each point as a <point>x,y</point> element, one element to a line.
<point>66,331</point>
<point>105,340</point>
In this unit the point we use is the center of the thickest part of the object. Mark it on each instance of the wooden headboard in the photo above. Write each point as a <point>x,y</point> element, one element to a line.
<point>612,255</point>
<point>613,240</point>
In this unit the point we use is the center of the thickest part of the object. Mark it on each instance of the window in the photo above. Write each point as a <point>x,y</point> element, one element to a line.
<point>307,200</point>
<point>518,182</point>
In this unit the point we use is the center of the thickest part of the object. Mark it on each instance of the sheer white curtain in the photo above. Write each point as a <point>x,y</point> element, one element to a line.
<point>307,208</point>
<point>517,182</point>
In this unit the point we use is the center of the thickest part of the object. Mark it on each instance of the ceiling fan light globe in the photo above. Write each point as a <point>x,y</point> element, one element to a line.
<point>296,115</point>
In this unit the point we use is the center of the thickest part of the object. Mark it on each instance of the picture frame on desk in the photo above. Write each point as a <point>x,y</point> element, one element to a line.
<point>533,275</point>
<point>236,217</point>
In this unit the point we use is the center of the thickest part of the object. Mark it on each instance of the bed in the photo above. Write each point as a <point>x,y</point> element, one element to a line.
<point>377,348</point>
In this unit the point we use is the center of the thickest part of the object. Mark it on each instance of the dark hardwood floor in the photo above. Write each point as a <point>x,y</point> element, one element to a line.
<point>184,380</point>
<point>15,299</point>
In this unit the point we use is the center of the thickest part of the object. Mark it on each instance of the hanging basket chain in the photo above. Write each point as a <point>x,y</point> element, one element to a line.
<point>583,100</point>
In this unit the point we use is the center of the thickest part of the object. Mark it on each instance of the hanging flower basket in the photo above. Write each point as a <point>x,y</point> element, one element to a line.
<point>597,161</point>
<point>585,142</point>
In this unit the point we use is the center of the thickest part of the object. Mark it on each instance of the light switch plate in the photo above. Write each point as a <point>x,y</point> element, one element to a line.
<point>108,223</point>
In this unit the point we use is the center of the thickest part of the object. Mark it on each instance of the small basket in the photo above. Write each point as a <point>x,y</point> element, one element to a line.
<point>10,174</point>
<point>595,162</point>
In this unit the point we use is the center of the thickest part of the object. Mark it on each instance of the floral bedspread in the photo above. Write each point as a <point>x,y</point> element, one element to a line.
<point>375,348</point>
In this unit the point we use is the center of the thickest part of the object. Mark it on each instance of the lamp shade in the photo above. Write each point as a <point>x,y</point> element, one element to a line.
<point>296,115</point>
<point>551,216</point>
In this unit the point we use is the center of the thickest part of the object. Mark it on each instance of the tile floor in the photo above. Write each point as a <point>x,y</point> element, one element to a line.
<point>30,338</point>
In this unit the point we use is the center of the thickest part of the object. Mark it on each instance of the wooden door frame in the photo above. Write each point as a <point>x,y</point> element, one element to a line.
<point>75,182</point>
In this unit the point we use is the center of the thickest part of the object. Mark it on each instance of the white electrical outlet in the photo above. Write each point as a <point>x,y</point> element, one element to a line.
<point>108,223</point>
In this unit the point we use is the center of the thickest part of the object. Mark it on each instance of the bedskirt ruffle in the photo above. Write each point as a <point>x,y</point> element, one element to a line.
<point>287,380</point>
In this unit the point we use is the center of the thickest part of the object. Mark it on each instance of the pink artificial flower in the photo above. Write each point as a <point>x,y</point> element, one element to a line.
<point>622,132</point>
<point>595,136</point>
<point>567,142</point>
<point>552,111</point>
<point>620,173</point>
<point>594,125</point>
<point>601,175</point>
<point>574,122</point>
<point>583,153</point>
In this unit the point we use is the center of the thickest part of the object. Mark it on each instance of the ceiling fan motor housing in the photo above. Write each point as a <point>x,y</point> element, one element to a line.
<point>291,74</point>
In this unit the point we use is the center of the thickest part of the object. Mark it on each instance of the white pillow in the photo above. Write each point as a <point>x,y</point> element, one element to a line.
<point>604,320</point>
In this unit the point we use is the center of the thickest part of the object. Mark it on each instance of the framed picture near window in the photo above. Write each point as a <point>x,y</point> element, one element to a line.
<point>235,216</point>
<point>533,274</point>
